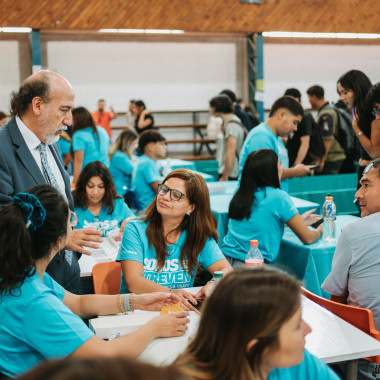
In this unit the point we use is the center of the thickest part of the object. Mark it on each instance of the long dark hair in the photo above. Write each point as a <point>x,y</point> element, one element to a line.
<point>246,305</point>
<point>19,247</point>
<point>359,84</point>
<point>260,170</point>
<point>199,224</point>
<point>95,169</point>
<point>82,119</point>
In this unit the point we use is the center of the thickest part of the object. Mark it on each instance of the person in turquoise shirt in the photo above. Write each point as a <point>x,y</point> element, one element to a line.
<point>251,326</point>
<point>146,176</point>
<point>284,117</point>
<point>96,201</point>
<point>259,211</point>
<point>64,145</point>
<point>89,142</point>
<point>41,320</point>
<point>162,250</point>
<point>121,164</point>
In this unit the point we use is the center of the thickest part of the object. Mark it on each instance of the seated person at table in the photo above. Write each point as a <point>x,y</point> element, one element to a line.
<point>284,117</point>
<point>39,319</point>
<point>89,142</point>
<point>146,176</point>
<point>121,164</point>
<point>162,251</point>
<point>260,209</point>
<point>96,201</point>
<point>233,137</point>
<point>355,269</point>
<point>251,328</point>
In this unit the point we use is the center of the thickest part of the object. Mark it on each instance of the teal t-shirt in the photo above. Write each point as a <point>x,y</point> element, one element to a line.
<point>146,172</point>
<point>271,210</point>
<point>262,137</point>
<point>64,147</point>
<point>311,368</point>
<point>121,168</point>
<point>94,149</point>
<point>36,325</point>
<point>135,247</point>
<point>104,221</point>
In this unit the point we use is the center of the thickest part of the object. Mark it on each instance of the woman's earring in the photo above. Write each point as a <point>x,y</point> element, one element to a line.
<point>188,213</point>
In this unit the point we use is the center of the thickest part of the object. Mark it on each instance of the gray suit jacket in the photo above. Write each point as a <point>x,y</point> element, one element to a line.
<point>18,169</point>
<point>19,172</point>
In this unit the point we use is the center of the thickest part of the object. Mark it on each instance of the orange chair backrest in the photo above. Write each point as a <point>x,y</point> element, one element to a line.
<point>106,277</point>
<point>357,316</point>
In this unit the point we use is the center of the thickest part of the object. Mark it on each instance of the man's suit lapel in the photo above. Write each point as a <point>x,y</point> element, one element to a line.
<point>55,151</point>
<point>24,154</point>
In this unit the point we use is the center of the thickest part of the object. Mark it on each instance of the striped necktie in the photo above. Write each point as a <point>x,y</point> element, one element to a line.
<point>48,173</point>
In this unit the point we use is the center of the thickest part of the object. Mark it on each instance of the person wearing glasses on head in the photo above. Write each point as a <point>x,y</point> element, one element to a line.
<point>96,202</point>
<point>162,250</point>
<point>146,176</point>
<point>39,319</point>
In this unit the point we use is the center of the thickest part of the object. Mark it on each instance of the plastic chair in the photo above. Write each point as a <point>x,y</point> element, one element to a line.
<point>357,316</point>
<point>106,277</point>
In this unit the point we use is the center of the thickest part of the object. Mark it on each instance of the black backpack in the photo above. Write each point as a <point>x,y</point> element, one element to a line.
<point>345,131</point>
<point>316,147</point>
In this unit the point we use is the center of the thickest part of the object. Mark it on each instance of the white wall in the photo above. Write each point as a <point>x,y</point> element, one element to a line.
<point>302,66</point>
<point>167,76</point>
<point>9,72</point>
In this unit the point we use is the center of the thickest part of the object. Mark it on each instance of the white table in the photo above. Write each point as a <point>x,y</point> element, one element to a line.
<point>332,339</point>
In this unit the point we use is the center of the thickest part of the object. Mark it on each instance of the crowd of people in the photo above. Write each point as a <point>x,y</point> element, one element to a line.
<point>47,223</point>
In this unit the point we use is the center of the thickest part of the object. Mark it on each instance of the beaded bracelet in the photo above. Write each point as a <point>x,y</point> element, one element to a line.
<point>120,303</point>
<point>131,304</point>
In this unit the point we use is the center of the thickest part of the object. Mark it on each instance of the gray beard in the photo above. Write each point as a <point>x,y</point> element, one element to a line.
<point>51,139</point>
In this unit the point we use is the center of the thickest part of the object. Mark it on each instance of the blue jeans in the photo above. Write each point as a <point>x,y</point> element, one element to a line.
<point>235,263</point>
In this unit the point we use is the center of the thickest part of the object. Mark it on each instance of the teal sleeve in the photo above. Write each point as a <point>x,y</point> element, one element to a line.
<point>78,142</point>
<point>132,246</point>
<point>210,254</point>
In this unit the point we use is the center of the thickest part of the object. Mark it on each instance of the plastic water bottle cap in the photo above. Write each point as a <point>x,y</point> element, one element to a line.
<point>254,243</point>
<point>329,198</point>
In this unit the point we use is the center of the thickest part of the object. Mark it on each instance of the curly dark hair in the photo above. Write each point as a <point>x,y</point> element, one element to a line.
<point>28,90</point>
<point>95,169</point>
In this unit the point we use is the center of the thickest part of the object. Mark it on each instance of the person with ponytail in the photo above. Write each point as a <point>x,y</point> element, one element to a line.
<point>39,319</point>
<point>251,328</point>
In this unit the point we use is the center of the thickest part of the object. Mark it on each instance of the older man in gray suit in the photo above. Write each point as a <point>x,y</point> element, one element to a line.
<point>29,156</point>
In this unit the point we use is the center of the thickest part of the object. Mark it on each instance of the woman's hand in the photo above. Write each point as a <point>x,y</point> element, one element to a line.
<point>172,324</point>
<point>187,299</point>
<point>309,218</point>
<point>153,301</point>
<point>206,290</point>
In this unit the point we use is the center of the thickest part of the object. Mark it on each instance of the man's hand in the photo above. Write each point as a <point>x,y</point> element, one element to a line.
<point>301,170</point>
<point>84,238</point>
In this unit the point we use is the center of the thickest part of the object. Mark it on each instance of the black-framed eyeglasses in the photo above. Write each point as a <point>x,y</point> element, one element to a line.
<point>176,195</point>
<point>369,167</point>
<point>376,111</point>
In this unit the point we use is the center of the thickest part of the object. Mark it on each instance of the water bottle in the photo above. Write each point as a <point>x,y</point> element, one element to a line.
<point>329,215</point>
<point>254,257</point>
<point>218,275</point>
<point>167,167</point>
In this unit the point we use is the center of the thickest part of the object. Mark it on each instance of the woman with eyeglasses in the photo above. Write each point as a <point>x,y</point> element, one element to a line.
<point>121,164</point>
<point>353,88</point>
<point>39,319</point>
<point>162,250</point>
<point>89,142</point>
<point>252,329</point>
<point>96,202</point>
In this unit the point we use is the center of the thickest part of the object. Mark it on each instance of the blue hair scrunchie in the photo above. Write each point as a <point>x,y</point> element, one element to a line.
<point>34,212</point>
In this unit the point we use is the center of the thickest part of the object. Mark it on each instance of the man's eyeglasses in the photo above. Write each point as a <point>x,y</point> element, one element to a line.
<point>369,167</point>
<point>73,219</point>
<point>376,111</point>
<point>176,195</point>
